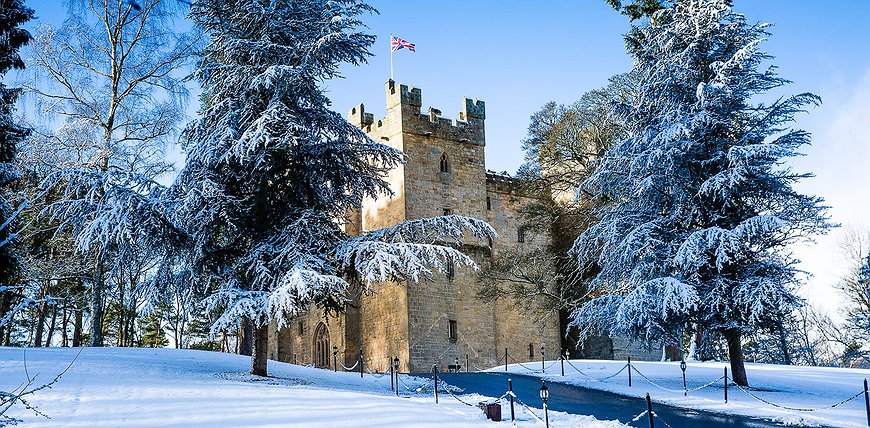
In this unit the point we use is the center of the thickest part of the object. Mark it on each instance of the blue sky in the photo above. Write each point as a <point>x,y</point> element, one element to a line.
<point>517,55</point>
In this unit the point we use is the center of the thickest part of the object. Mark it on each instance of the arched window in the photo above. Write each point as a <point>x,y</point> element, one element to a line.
<point>322,351</point>
<point>451,269</point>
<point>521,235</point>
<point>445,163</point>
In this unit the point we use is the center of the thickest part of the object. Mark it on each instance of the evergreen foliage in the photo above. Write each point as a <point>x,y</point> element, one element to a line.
<point>13,13</point>
<point>701,207</point>
<point>256,216</point>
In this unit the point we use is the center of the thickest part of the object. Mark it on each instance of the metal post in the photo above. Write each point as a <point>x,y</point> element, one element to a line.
<point>649,411</point>
<point>543,369</point>
<point>392,373</point>
<point>334,359</point>
<point>360,364</point>
<point>562,361</point>
<point>726,384</point>
<point>546,416</point>
<point>466,363</point>
<point>867,401</point>
<point>435,370</point>
<point>396,370</point>
<point>683,368</point>
<point>511,395</point>
<point>505,359</point>
<point>629,372</point>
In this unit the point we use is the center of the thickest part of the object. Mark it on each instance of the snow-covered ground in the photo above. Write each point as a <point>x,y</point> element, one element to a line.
<point>127,387</point>
<point>789,386</point>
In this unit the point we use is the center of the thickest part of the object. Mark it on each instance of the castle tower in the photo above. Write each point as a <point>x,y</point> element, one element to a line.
<point>441,319</point>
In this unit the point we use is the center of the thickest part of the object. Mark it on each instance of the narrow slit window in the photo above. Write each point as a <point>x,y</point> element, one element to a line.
<point>445,163</point>
<point>451,330</point>
<point>521,235</point>
<point>451,269</point>
<point>488,203</point>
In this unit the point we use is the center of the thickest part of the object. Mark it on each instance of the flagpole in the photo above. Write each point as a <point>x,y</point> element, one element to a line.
<point>391,57</point>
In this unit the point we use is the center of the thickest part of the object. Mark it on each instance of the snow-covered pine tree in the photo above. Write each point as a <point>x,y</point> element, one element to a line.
<point>702,207</point>
<point>13,13</point>
<point>272,172</point>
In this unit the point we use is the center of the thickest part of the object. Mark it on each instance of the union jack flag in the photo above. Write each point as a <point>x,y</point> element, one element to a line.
<point>397,43</point>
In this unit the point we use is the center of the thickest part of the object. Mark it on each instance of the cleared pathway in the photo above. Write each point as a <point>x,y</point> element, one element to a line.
<point>601,404</point>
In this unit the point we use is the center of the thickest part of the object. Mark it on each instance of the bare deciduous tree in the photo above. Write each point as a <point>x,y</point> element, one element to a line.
<point>112,79</point>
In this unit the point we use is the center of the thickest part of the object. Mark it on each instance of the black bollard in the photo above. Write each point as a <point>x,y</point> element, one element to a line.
<point>392,373</point>
<point>867,401</point>
<point>511,395</point>
<point>360,364</point>
<point>435,370</point>
<point>466,363</point>
<point>649,411</point>
<point>629,372</point>
<point>726,384</point>
<point>562,361</point>
<point>505,359</point>
<point>395,366</point>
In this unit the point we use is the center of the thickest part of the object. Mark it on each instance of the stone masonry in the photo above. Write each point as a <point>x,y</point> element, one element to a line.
<point>440,320</point>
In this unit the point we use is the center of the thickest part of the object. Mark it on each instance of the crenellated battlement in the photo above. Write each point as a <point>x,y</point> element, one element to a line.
<point>405,103</point>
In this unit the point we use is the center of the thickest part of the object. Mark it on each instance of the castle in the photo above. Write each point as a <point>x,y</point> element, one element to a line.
<point>440,320</point>
<point>437,320</point>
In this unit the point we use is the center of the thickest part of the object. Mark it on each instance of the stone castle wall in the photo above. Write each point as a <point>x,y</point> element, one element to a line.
<point>412,320</point>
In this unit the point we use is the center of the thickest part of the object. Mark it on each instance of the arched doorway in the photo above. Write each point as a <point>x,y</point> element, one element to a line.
<point>322,351</point>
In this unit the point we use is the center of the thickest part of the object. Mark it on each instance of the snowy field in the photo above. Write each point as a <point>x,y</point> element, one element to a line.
<point>796,387</point>
<point>129,387</point>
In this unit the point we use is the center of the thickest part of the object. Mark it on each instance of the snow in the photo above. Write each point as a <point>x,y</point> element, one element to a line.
<point>791,386</point>
<point>136,387</point>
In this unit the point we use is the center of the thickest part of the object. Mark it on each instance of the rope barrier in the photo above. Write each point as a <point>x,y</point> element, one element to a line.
<point>637,418</point>
<point>522,365</point>
<point>516,399</point>
<point>374,375</point>
<point>447,388</point>
<point>417,390</point>
<point>711,383</point>
<point>595,378</point>
<point>656,415</point>
<point>797,409</point>
<point>349,368</point>
<point>655,384</point>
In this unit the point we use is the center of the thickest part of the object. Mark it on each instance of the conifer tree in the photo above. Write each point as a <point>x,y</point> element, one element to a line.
<point>13,13</point>
<point>701,207</point>
<point>272,172</point>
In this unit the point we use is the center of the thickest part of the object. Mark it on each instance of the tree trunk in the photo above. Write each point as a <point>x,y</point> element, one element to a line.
<point>783,343</point>
<point>51,325</point>
<point>122,312</point>
<point>246,342</point>
<point>97,307</point>
<point>64,326</point>
<point>735,354</point>
<point>77,328</point>
<point>260,355</point>
<point>40,323</point>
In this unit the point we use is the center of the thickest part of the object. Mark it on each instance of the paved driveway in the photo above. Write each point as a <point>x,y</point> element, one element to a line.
<point>601,404</point>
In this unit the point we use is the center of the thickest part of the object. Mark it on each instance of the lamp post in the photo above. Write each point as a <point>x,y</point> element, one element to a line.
<point>542,359</point>
<point>545,395</point>
<point>683,368</point>
<point>335,358</point>
<point>396,372</point>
